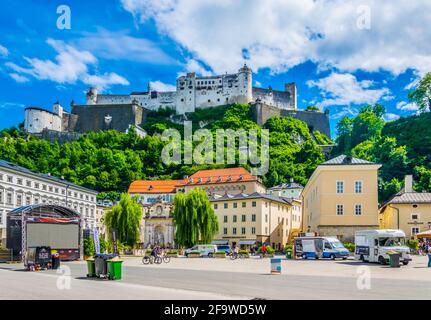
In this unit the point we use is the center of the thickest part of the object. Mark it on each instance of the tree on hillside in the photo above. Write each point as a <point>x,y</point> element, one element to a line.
<point>125,218</point>
<point>422,93</point>
<point>194,218</point>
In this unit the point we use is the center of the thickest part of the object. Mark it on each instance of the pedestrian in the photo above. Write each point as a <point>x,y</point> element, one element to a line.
<point>429,257</point>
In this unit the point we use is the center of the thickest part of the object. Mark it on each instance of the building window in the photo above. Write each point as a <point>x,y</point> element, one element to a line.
<point>226,206</point>
<point>266,218</point>
<point>253,204</point>
<point>358,209</point>
<point>340,186</point>
<point>19,181</point>
<point>27,200</point>
<point>253,218</point>
<point>340,209</point>
<point>216,206</point>
<point>234,218</point>
<point>36,185</point>
<point>9,179</point>
<point>415,216</point>
<point>225,219</point>
<point>1,177</point>
<point>235,205</point>
<point>19,200</point>
<point>28,183</point>
<point>9,198</point>
<point>36,200</point>
<point>225,231</point>
<point>253,230</point>
<point>243,218</point>
<point>50,189</point>
<point>266,230</point>
<point>234,231</point>
<point>358,186</point>
<point>44,187</point>
<point>242,230</point>
<point>1,196</point>
<point>244,204</point>
<point>415,231</point>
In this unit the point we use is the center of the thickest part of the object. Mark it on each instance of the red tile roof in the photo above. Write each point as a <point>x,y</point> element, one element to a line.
<point>202,177</point>
<point>233,175</point>
<point>155,186</point>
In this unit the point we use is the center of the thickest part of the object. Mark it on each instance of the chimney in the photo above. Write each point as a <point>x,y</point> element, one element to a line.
<point>408,183</point>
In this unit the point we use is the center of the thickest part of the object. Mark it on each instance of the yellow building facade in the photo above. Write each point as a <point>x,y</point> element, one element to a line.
<point>256,218</point>
<point>408,210</point>
<point>341,197</point>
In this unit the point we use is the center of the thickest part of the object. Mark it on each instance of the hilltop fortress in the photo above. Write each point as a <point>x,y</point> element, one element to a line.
<point>120,112</point>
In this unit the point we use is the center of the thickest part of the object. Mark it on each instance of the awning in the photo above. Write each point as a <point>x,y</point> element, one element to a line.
<point>220,242</point>
<point>247,242</point>
<point>426,234</point>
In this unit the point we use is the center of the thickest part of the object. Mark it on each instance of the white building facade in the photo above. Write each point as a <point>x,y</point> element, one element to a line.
<point>193,92</point>
<point>22,187</point>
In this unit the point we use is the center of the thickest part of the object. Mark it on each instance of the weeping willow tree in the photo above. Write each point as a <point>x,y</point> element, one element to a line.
<point>125,218</point>
<point>194,218</point>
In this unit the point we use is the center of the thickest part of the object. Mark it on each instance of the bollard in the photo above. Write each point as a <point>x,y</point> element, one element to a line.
<point>275,266</point>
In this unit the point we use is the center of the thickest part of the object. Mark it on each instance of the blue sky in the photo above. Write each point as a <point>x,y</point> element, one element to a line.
<point>342,55</point>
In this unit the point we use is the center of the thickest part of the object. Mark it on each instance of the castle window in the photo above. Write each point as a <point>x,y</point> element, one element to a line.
<point>182,100</point>
<point>209,100</point>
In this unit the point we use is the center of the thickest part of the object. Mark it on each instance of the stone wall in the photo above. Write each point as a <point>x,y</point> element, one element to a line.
<point>93,118</point>
<point>344,233</point>
<point>315,120</point>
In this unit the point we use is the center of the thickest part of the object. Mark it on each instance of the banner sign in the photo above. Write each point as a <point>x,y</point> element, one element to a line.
<point>96,240</point>
<point>114,240</point>
<point>52,220</point>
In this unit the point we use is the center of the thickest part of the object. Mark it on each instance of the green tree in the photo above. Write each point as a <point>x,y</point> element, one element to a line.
<point>125,218</point>
<point>194,218</point>
<point>421,95</point>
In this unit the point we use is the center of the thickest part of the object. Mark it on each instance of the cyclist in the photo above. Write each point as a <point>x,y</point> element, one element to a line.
<point>264,250</point>
<point>236,251</point>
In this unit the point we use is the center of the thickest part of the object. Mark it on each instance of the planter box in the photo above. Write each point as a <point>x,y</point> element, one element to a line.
<point>193,255</point>
<point>172,255</point>
<point>219,256</point>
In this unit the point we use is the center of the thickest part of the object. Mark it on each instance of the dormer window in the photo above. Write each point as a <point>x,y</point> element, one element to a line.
<point>229,178</point>
<point>209,179</point>
<point>241,177</point>
<point>199,180</point>
<point>151,188</point>
<point>219,179</point>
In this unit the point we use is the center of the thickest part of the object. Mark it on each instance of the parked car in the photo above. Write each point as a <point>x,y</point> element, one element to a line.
<point>205,250</point>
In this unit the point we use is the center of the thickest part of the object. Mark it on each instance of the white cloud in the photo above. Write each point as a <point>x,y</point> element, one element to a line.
<point>18,78</point>
<point>4,52</point>
<point>391,116</point>
<point>405,106</point>
<point>121,46</point>
<point>161,87</point>
<point>280,34</point>
<point>11,105</point>
<point>70,65</point>
<point>344,89</point>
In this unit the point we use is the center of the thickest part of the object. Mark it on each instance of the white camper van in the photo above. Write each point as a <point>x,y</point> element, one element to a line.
<point>374,245</point>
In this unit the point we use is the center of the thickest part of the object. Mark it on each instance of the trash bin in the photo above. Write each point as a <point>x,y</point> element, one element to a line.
<point>91,268</point>
<point>100,264</point>
<point>55,261</point>
<point>429,260</point>
<point>275,266</point>
<point>115,268</point>
<point>394,259</point>
<point>289,254</point>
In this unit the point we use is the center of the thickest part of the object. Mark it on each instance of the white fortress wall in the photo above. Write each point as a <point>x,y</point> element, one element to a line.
<point>36,120</point>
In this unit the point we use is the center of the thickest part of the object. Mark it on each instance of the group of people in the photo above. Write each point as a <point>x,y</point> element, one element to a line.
<point>424,246</point>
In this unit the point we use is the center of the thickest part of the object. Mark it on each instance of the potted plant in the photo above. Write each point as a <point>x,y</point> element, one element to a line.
<point>219,255</point>
<point>244,253</point>
<point>172,253</point>
<point>194,254</point>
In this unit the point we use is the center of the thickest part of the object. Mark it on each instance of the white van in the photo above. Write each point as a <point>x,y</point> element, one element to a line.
<point>205,250</point>
<point>374,245</point>
<point>320,247</point>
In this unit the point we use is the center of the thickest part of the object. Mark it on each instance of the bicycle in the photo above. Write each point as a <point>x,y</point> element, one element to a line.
<point>157,260</point>
<point>237,256</point>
